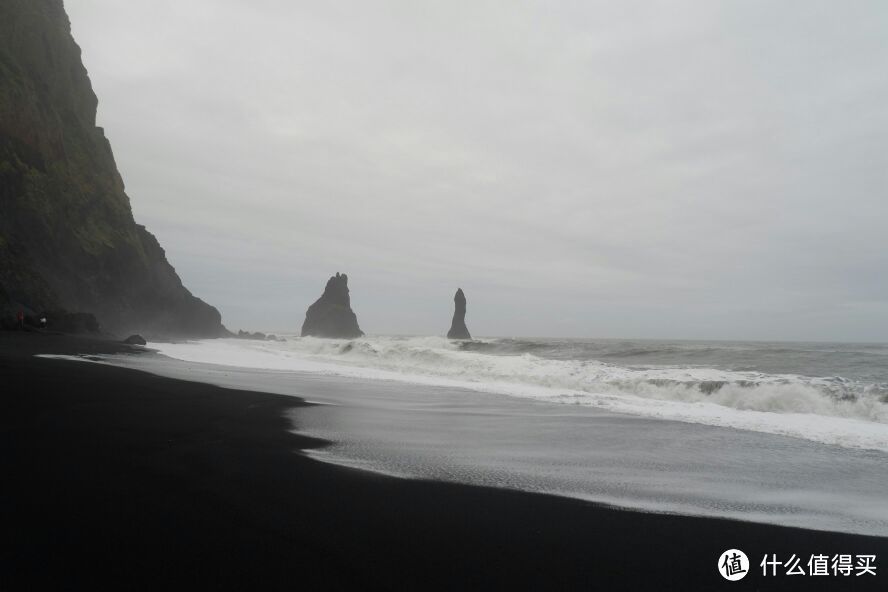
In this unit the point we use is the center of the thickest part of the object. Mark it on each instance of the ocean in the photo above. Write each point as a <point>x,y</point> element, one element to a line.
<point>784,433</point>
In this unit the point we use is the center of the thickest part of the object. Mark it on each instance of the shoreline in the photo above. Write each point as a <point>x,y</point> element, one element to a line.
<point>473,436</point>
<point>807,408</point>
<point>120,476</point>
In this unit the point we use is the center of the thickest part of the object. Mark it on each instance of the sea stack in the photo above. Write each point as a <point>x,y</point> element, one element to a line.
<point>331,314</point>
<point>458,329</point>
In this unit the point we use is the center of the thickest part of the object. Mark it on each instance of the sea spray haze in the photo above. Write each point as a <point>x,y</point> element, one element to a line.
<point>67,235</point>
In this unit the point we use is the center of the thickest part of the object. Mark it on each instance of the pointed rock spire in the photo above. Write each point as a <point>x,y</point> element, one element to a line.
<point>458,329</point>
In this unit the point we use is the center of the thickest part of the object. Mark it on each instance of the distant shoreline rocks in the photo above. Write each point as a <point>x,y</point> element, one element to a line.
<point>331,314</point>
<point>458,329</point>
<point>257,335</point>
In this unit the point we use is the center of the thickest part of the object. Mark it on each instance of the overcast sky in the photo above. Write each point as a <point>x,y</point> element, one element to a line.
<point>602,169</point>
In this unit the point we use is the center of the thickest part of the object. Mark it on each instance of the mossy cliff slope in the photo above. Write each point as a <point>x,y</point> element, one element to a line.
<point>67,235</point>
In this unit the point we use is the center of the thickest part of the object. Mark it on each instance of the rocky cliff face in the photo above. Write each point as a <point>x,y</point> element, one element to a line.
<point>331,314</point>
<point>67,235</point>
<point>458,329</point>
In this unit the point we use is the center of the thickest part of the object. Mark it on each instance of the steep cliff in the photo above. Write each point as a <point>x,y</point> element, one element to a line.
<point>458,329</point>
<point>67,235</point>
<point>331,314</point>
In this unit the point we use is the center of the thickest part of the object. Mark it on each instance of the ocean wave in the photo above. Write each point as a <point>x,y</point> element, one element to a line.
<point>852,412</point>
<point>739,390</point>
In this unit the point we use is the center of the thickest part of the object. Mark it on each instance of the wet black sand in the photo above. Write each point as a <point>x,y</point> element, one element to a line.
<point>117,477</point>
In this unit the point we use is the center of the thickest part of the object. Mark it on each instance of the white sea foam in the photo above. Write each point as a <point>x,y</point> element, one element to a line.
<point>826,410</point>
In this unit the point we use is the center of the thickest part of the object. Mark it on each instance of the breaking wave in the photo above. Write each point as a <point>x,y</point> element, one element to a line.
<point>829,409</point>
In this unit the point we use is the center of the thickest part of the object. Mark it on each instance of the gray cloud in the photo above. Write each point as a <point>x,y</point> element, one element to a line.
<point>652,169</point>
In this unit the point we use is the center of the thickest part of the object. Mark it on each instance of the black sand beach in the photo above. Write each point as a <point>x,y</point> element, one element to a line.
<point>121,478</point>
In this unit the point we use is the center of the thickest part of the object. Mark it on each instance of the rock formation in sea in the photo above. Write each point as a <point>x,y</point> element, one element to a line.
<point>135,340</point>
<point>68,241</point>
<point>458,329</point>
<point>331,314</point>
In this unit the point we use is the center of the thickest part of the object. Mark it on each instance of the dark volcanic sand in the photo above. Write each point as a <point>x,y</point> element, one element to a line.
<point>117,477</point>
